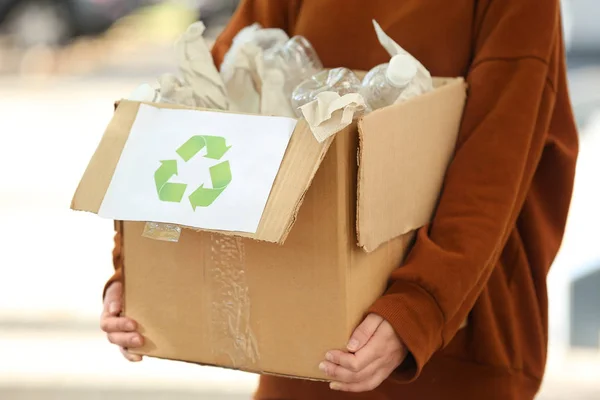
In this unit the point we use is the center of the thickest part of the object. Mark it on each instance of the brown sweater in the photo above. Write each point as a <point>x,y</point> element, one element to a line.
<point>502,212</point>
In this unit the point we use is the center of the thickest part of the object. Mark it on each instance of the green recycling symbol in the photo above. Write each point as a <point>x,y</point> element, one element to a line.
<point>220,174</point>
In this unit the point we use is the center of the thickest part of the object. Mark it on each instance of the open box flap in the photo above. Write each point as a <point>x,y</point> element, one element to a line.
<point>404,152</point>
<point>300,163</point>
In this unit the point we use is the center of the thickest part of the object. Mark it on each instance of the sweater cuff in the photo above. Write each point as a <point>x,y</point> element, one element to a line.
<point>117,258</point>
<point>117,277</point>
<point>418,322</point>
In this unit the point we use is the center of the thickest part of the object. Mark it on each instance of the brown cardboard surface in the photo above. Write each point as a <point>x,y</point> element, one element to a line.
<point>294,302</point>
<point>404,152</point>
<point>225,300</point>
<point>101,168</point>
<point>301,161</point>
<point>368,275</point>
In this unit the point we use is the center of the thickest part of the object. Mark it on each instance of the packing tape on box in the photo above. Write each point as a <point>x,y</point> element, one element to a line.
<point>161,231</point>
<point>231,333</point>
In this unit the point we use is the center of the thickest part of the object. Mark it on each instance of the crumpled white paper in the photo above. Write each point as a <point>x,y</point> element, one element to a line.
<point>201,85</point>
<point>422,82</point>
<point>274,100</point>
<point>329,113</point>
<point>241,81</point>
<point>173,91</point>
<point>198,70</point>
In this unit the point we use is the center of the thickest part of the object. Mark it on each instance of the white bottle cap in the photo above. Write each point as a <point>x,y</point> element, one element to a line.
<point>144,92</point>
<point>401,70</point>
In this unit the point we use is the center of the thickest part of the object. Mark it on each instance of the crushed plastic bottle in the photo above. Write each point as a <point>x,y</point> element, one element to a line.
<point>268,38</point>
<point>297,59</point>
<point>385,83</point>
<point>339,80</point>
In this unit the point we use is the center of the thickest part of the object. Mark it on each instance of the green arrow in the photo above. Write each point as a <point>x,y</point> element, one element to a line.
<point>204,197</point>
<point>215,147</point>
<point>168,191</point>
<point>220,176</point>
<point>166,170</point>
<point>172,192</point>
<point>190,148</point>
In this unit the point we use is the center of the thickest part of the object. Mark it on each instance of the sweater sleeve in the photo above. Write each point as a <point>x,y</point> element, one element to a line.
<point>270,14</point>
<point>503,132</point>
<point>117,256</point>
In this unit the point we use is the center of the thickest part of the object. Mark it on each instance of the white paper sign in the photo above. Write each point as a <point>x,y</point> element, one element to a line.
<point>201,169</point>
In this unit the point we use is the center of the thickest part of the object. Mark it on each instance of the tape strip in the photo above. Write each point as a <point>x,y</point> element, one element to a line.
<point>231,334</point>
<point>163,232</point>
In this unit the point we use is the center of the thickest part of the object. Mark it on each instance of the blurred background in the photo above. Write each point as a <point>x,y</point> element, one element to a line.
<point>62,64</point>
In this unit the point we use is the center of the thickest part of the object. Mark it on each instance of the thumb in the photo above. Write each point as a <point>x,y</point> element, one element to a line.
<point>363,332</point>
<point>113,299</point>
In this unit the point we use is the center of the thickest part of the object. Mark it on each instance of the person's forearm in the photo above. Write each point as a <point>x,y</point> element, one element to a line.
<point>505,125</point>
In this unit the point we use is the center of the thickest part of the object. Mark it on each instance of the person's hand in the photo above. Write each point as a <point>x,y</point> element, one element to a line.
<point>375,351</point>
<point>120,330</point>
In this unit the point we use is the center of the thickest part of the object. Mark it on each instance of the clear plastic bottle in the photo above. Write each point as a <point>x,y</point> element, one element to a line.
<point>339,80</point>
<point>384,84</point>
<point>297,59</point>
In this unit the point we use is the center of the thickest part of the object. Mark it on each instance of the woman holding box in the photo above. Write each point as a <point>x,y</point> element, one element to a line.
<point>486,254</point>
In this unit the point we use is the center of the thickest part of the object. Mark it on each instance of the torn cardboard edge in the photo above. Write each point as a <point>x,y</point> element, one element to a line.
<point>418,155</point>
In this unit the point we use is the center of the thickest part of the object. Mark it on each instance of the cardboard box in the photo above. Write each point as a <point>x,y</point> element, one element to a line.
<point>339,219</point>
